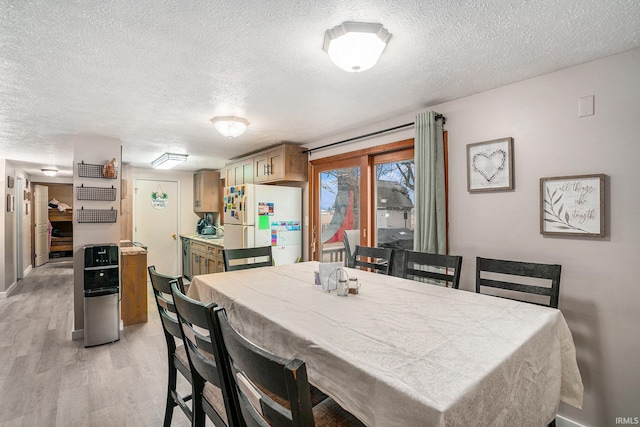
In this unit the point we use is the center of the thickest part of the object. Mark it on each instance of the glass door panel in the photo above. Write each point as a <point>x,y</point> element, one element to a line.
<point>339,210</point>
<point>394,204</point>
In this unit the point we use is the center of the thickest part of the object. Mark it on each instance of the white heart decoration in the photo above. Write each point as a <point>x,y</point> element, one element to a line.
<point>489,165</point>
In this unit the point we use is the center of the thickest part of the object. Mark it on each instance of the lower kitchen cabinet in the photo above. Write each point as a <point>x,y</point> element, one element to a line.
<point>206,259</point>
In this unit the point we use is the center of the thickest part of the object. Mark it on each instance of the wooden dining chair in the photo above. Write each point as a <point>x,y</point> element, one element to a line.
<point>177,359</point>
<point>379,260</point>
<point>432,268</point>
<point>271,390</point>
<point>210,396</point>
<point>504,268</point>
<point>242,259</point>
<point>350,238</point>
<point>548,272</point>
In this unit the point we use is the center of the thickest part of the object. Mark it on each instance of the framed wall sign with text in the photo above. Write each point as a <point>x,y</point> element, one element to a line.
<point>490,165</point>
<point>572,205</point>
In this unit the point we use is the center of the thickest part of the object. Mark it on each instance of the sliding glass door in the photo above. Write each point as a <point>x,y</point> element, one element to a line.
<point>338,210</point>
<point>394,200</point>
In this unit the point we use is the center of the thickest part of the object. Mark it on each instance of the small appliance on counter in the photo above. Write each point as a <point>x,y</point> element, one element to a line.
<point>205,225</point>
<point>204,228</point>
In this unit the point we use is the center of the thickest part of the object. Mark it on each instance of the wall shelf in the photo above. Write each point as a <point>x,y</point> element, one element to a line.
<point>86,170</point>
<point>96,193</point>
<point>96,215</point>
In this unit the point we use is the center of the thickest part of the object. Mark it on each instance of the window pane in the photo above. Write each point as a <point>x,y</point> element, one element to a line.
<point>339,210</point>
<point>395,213</point>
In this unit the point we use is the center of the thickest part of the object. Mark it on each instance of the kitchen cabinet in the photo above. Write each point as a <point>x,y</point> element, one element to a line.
<point>240,172</point>
<point>286,162</point>
<point>206,191</point>
<point>205,258</point>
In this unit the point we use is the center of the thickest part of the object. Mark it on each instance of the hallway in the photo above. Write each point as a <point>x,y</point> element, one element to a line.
<point>46,379</point>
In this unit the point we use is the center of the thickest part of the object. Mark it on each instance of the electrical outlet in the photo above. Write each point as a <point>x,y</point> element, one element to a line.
<point>585,106</point>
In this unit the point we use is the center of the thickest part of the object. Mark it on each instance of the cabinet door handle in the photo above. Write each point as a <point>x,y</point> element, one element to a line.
<point>264,170</point>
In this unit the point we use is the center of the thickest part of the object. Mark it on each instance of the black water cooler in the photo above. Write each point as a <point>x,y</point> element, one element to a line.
<point>101,294</point>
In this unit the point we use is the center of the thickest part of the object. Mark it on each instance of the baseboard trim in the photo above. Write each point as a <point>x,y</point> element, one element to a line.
<point>566,422</point>
<point>8,292</point>
<point>27,271</point>
<point>78,334</point>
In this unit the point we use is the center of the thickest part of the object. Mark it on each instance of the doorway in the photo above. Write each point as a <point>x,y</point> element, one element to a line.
<point>41,224</point>
<point>155,222</point>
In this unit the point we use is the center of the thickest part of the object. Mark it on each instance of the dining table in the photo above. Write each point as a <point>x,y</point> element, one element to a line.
<point>405,353</point>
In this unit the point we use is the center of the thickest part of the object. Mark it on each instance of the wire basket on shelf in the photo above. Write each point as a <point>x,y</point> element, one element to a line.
<point>86,170</point>
<point>96,193</point>
<point>96,215</point>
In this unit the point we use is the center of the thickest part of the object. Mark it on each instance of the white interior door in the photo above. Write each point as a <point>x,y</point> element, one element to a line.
<point>41,220</point>
<point>155,223</point>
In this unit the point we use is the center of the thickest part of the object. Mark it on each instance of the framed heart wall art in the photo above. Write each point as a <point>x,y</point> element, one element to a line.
<point>490,165</point>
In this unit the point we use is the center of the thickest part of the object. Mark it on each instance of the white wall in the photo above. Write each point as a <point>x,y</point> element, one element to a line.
<point>96,151</point>
<point>599,292</point>
<point>9,231</point>
<point>3,225</point>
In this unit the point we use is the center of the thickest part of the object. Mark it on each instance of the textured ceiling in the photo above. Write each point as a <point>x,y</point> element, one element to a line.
<point>153,72</point>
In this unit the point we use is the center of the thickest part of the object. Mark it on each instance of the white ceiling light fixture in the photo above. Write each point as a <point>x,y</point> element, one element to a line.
<point>49,172</point>
<point>230,126</point>
<point>355,46</point>
<point>168,160</point>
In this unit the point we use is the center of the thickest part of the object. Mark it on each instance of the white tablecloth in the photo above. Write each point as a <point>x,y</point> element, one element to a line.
<point>403,353</point>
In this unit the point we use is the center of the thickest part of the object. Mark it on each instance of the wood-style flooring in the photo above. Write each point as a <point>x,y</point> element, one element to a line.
<point>47,379</point>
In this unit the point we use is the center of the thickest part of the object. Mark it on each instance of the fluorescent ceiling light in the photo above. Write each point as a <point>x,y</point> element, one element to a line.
<point>168,160</point>
<point>49,172</point>
<point>355,46</point>
<point>230,126</point>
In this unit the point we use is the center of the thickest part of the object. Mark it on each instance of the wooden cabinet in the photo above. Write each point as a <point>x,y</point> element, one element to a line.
<point>284,163</point>
<point>62,230</point>
<point>240,172</point>
<point>206,191</point>
<point>205,259</point>
<point>134,286</point>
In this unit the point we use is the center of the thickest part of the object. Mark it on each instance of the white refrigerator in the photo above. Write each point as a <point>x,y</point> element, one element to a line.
<point>264,215</point>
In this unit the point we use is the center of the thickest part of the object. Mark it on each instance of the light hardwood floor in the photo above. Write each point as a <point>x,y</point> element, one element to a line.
<point>47,379</point>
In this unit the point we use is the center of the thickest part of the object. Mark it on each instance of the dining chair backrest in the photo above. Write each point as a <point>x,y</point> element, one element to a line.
<point>242,259</point>
<point>161,284</point>
<point>500,270</point>
<point>196,325</point>
<point>423,266</point>
<point>270,390</point>
<point>378,259</point>
<point>177,360</point>
<point>350,239</point>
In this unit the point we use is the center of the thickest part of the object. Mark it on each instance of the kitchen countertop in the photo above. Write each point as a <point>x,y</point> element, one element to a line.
<point>129,248</point>
<point>218,241</point>
<point>133,250</point>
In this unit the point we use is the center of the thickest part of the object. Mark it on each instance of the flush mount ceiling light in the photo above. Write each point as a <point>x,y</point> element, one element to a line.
<point>168,160</point>
<point>355,46</point>
<point>49,172</point>
<point>230,126</point>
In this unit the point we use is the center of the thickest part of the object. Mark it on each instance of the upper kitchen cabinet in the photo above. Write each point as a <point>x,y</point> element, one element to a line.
<point>286,162</point>
<point>240,172</point>
<point>206,191</point>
